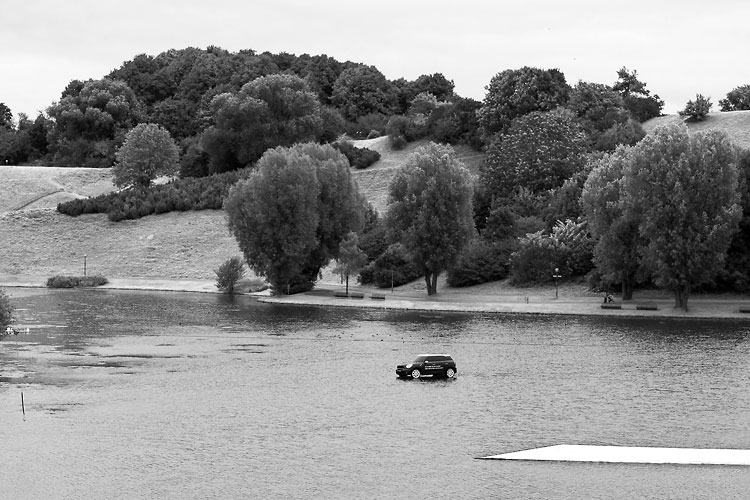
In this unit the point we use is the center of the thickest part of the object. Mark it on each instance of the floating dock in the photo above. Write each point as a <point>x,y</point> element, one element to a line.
<point>630,454</point>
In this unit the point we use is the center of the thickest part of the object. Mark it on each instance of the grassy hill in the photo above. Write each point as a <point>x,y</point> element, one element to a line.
<point>735,123</point>
<point>39,241</point>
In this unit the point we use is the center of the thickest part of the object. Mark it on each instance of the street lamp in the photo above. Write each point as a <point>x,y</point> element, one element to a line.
<point>556,277</point>
<point>84,264</point>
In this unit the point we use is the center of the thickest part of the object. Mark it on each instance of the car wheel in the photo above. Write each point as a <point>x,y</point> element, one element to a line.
<point>450,373</point>
<point>415,373</point>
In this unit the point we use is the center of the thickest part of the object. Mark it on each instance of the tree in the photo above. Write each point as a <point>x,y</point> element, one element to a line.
<point>685,189</point>
<point>290,216</point>
<point>637,99</point>
<point>737,99</point>
<point>147,153</point>
<point>351,258</point>
<point>697,110</point>
<point>517,92</point>
<point>229,273</point>
<point>6,116</point>
<point>430,209</point>
<point>6,311</point>
<point>539,152</point>
<point>90,122</point>
<point>599,109</point>
<point>270,111</point>
<point>362,90</point>
<point>615,229</point>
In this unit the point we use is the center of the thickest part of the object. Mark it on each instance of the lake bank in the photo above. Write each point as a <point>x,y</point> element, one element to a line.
<point>569,300</point>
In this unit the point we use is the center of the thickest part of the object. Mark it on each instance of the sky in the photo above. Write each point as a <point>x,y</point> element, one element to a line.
<point>678,48</point>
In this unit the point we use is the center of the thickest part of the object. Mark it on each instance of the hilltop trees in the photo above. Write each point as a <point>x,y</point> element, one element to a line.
<point>737,99</point>
<point>290,216</point>
<point>362,90</point>
<point>90,121</point>
<point>270,111</point>
<point>148,152</point>
<point>430,210</point>
<point>698,109</point>
<point>513,93</point>
<point>637,99</point>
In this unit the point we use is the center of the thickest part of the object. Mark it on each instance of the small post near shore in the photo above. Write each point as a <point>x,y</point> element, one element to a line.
<point>556,277</point>
<point>23,407</point>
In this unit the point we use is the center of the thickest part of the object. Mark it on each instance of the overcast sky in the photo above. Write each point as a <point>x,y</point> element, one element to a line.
<point>679,48</point>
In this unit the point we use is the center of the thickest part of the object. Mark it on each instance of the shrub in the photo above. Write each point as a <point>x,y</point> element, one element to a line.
<point>481,262</point>
<point>358,157</point>
<point>392,267</point>
<point>75,281</point>
<point>229,273</point>
<point>698,109</point>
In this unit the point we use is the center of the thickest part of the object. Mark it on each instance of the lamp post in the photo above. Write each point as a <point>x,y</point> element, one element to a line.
<point>84,264</point>
<point>556,277</point>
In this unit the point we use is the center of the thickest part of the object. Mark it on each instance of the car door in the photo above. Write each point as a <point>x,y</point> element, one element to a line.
<point>432,365</point>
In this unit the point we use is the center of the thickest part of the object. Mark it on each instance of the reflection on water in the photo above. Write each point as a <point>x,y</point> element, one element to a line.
<point>162,395</point>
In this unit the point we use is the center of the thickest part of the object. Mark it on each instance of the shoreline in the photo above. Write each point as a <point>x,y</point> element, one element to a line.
<point>325,295</point>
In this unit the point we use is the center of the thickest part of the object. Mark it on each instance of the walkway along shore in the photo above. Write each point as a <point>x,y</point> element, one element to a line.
<point>537,302</point>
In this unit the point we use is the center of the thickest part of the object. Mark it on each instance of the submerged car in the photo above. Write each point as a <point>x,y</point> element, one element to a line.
<point>428,365</point>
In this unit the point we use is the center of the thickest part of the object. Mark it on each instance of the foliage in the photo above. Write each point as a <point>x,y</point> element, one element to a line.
<point>147,153</point>
<point>540,151</point>
<point>75,281</point>
<point>358,157</point>
<point>568,247</point>
<point>90,121</point>
<point>270,111</point>
<point>290,216</point>
<point>481,262</point>
<point>400,130</point>
<point>599,109</point>
<point>430,209</point>
<point>393,267</point>
<point>6,116</point>
<point>6,310</point>
<point>636,98</point>
<point>627,134</point>
<point>351,258</point>
<point>737,99</point>
<point>697,110</point>
<point>685,190</point>
<point>229,273</point>
<point>615,229</point>
<point>205,193</point>
<point>514,93</point>
<point>361,90</point>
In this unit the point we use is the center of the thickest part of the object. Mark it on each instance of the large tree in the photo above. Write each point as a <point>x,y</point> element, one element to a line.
<point>270,111</point>
<point>6,311</point>
<point>517,92</point>
<point>148,152</point>
<point>636,97</point>
<point>362,90</point>
<point>539,152</point>
<point>615,229</point>
<point>430,209</point>
<point>290,216</point>
<point>685,189</point>
<point>90,122</point>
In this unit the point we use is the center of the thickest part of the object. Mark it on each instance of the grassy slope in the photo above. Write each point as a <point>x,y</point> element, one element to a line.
<point>735,123</point>
<point>39,241</point>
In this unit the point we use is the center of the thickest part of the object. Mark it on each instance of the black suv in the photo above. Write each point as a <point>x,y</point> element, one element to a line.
<point>428,365</point>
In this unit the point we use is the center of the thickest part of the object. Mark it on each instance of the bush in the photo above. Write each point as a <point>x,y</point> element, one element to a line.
<point>392,267</point>
<point>75,281</point>
<point>481,262</point>
<point>229,273</point>
<point>358,157</point>
<point>698,109</point>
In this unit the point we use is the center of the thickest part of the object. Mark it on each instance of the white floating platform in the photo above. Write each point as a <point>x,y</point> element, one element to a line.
<point>630,454</point>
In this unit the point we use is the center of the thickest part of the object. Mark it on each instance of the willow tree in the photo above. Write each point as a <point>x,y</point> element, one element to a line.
<point>685,188</point>
<point>430,209</point>
<point>290,216</point>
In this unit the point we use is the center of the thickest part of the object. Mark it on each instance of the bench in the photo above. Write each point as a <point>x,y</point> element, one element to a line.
<point>377,296</point>
<point>611,305</point>
<point>357,295</point>
<point>341,295</point>
<point>745,309</point>
<point>646,306</point>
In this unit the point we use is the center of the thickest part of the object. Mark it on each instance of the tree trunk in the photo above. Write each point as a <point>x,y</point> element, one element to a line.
<point>347,283</point>
<point>430,279</point>
<point>681,294</point>
<point>627,288</point>
<point>434,283</point>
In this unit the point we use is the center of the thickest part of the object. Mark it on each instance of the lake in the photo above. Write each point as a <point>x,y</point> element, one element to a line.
<point>131,395</point>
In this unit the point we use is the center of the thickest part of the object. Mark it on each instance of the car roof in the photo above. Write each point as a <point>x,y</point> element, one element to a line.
<point>433,354</point>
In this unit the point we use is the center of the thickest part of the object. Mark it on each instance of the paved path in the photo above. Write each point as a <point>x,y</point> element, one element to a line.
<point>453,301</point>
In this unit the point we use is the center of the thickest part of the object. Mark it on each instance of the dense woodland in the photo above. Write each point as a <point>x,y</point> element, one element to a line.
<point>554,153</point>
